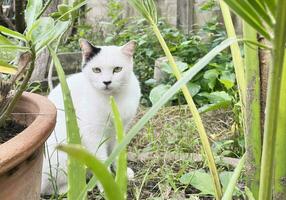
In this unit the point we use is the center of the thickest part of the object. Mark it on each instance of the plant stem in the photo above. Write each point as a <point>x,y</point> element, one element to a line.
<point>252,112</point>
<point>44,9</point>
<point>234,179</point>
<point>279,190</point>
<point>195,113</point>
<point>8,110</point>
<point>273,104</point>
<point>235,51</point>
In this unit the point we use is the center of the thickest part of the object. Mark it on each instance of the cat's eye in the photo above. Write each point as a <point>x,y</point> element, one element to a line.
<point>117,69</point>
<point>96,70</point>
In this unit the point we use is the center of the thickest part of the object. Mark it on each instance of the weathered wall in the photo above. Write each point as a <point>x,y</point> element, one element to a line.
<point>183,14</point>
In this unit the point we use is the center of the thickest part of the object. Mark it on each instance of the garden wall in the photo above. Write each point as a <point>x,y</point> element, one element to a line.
<point>183,14</point>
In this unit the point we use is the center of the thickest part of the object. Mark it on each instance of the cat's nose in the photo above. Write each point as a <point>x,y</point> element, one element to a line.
<point>106,83</point>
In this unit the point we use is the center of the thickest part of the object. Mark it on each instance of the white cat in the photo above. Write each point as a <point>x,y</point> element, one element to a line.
<point>107,71</point>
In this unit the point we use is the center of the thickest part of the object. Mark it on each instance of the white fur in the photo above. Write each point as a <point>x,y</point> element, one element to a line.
<point>92,105</point>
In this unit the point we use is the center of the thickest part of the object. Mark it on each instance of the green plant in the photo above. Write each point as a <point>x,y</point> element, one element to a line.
<point>75,171</point>
<point>268,19</point>
<point>40,32</point>
<point>159,104</point>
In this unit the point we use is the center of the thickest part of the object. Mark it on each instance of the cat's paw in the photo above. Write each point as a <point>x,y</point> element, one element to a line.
<point>130,174</point>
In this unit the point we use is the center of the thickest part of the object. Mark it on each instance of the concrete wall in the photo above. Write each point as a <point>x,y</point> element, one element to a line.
<point>183,14</point>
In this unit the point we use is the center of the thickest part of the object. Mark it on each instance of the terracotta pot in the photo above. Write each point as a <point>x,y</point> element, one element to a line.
<point>21,157</point>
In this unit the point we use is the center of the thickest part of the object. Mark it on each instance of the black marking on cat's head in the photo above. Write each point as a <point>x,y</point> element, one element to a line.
<point>88,50</point>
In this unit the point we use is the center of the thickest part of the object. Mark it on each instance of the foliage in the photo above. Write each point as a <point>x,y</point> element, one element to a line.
<point>162,101</point>
<point>40,32</point>
<point>75,170</point>
<point>268,19</point>
<point>188,48</point>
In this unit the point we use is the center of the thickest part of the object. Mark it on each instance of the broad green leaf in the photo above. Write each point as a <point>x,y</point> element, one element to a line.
<point>157,92</point>
<point>62,10</point>
<point>111,189</point>
<point>214,106</point>
<point>11,33</point>
<point>199,180</point>
<point>211,75</point>
<point>5,41</point>
<point>216,97</point>
<point>161,102</point>
<point>75,7</point>
<point>32,10</point>
<point>76,171</point>
<point>121,166</point>
<point>40,27</point>
<point>167,68</point>
<point>227,79</point>
<point>194,88</point>
<point>51,35</point>
<point>7,68</point>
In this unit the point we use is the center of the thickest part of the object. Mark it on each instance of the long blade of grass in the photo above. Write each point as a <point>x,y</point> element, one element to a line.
<point>235,51</point>
<point>195,113</point>
<point>14,47</point>
<point>161,102</point>
<point>273,104</point>
<point>76,171</point>
<point>234,179</point>
<point>14,34</point>
<point>7,68</point>
<point>253,143</point>
<point>111,189</point>
<point>262,12</point>
<point>121,166</point>
<point>249,15</point>
<point>5,41</point>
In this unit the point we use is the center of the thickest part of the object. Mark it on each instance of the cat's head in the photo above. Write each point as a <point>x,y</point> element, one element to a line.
<point>108,68</point>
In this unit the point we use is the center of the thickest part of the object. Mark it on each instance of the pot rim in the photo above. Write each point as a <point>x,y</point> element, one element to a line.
<point>20,147</point>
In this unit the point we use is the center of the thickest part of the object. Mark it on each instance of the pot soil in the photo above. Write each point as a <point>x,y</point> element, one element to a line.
<point>21,157</point>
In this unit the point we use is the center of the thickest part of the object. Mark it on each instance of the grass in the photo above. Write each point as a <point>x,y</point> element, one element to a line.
<point>158,154</point>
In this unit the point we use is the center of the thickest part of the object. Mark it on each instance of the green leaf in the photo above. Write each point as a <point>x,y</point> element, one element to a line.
<point>76,171</point>
<point>111,189</point>
<point>51,35</point>
<point>157,92</point>
<point>7,68</point>
<point>216,97</point>
<point>214,106</point>
<point>246,12</point>
<point>168,69</point>
<point>63,10</point>
<point>211,75</point>
<point>33,9</point>
<point>194,88</point>
<point>5,41</point>
<point>14,48</point>
<point>199,180</point>
<point>39,28</point>
<point>11,33</point>
<point>121,166</point>
<point>227,79</point>
<point>161,102</point>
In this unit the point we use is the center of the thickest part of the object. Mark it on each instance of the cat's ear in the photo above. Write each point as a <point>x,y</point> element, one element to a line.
<point>129,48</point>
<point>88,50</point>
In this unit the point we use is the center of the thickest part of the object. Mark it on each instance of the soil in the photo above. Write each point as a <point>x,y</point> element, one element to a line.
<point>9,130</point>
